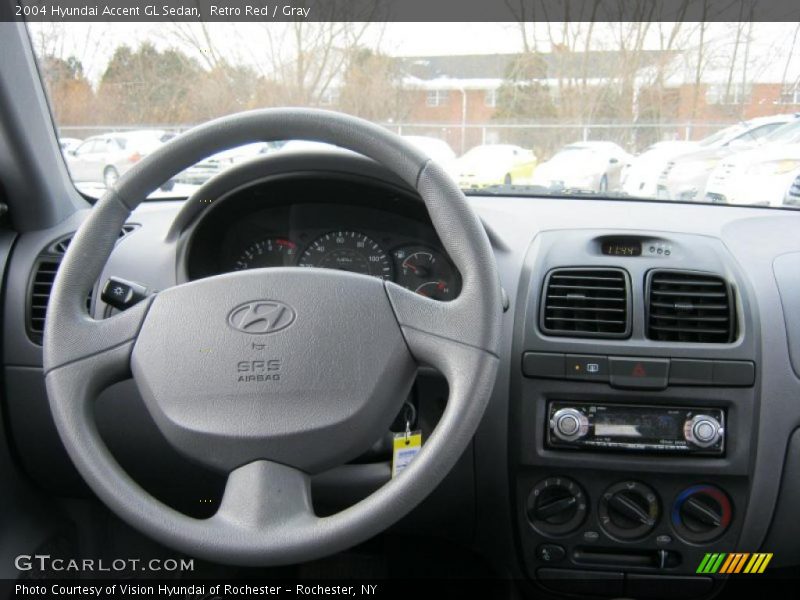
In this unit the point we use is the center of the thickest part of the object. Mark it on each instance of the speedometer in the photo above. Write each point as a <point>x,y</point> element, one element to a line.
<point>348,251</point>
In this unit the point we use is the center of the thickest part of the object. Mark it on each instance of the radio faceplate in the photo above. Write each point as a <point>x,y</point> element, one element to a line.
<point>636,428</point>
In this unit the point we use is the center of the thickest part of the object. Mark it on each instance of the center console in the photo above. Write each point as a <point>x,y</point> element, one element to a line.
<point>632,414</point>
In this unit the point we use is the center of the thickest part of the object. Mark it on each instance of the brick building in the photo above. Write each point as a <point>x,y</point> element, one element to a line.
<point>456,97</point>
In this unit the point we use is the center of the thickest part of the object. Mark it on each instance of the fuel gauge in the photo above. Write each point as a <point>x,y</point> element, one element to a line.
<point>426,272</point>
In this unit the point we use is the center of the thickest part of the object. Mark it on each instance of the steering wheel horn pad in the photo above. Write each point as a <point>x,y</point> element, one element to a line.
<point>273,375</point>
<point>313,394</point>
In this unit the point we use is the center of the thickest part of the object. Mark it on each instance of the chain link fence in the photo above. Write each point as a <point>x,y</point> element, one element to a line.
<point>544,138</point>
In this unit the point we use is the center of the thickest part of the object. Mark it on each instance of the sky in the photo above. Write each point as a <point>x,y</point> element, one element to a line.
<point>93,43</point>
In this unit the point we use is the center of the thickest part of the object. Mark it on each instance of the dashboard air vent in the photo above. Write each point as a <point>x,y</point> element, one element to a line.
<point>41,284</point>
<point>586,302</point>
<point>687,306</point>
<point>60,247</point>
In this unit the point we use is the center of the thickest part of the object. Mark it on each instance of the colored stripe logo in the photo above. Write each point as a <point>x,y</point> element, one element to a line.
<point>734,562</point>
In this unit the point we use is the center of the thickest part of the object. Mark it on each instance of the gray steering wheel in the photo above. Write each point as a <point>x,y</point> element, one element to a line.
<point>346,348</point>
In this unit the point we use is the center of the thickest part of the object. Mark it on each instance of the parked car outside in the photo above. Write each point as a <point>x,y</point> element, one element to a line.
<point>213,165</point>
<point>685,177</point>
<point>640,175</point>
<point>493,164</point>
<point>437,149</point>
<point>68,143</point>
<point>760,175</point>
<point>104,158</point>
<point>792,197</point>
<point>585,166</point>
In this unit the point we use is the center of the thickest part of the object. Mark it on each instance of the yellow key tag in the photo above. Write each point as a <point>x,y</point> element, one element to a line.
<point>404,448</point>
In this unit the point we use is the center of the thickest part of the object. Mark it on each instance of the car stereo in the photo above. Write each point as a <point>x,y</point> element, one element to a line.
<point>636,428</point>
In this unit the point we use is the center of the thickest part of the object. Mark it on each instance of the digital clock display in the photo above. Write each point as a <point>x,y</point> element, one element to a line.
<point>622,248</point>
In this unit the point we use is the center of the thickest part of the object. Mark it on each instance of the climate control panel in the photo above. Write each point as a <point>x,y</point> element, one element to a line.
<point>592,521</point>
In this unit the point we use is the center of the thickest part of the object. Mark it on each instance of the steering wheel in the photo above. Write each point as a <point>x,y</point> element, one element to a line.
<point>345,348</point>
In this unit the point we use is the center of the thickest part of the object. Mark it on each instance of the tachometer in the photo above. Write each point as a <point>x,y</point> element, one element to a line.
<point>269,252</point>
<point>348,251</point>
<point>426,272</point>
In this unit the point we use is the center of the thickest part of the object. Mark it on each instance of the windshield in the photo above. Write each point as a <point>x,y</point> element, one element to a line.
<point>540,109</point>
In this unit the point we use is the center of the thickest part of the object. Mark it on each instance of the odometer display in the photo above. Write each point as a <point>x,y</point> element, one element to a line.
<point>348,251</point>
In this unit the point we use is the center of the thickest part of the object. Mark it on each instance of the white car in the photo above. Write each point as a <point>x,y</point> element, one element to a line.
<point>101,159</point>
<point>640,175</point>
<point>760,175</point>
<point>67,144</point>
<point>204,170</point>
<point>756,177</point>
<point>792,197</point>
<point>589,166</point>
<point>437,149</point>
<point>685,177</point>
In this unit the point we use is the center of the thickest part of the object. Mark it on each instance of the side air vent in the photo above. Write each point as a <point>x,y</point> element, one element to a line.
<point>687,306</point>
<point>59,247</point>
<point>586,302</point>
<point>41,283</point>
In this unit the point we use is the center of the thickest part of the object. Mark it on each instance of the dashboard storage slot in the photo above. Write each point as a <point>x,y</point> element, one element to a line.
<point>613,557</point>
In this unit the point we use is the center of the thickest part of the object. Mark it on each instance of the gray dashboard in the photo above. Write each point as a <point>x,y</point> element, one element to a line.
<point>756,250</point>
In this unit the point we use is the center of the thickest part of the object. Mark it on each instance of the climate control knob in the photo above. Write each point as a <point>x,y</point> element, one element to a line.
<point>556,506</point>
<point>701,513</point>
<point>569,424</point>
<point>702,431</point>
<point>629,510</point>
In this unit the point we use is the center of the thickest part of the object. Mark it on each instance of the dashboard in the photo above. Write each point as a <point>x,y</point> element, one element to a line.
<point>645,412</point>
<point>333,223</point>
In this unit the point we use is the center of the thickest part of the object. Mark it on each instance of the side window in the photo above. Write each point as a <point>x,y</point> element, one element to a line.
<point>86,147</point>
<point>759,132</point>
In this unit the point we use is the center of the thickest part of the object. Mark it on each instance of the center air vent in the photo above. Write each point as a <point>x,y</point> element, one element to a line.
<point>687,306</point>
<point>586,302</point>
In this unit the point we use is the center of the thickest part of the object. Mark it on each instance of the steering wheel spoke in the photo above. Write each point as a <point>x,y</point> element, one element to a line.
<point>265,496</point>
<point>100,350</point>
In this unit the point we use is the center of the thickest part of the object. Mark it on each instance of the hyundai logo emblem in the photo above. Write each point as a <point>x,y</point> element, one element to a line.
<point>261,316</point>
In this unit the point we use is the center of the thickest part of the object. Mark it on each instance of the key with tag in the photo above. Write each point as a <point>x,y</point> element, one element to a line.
<point>405,446</point>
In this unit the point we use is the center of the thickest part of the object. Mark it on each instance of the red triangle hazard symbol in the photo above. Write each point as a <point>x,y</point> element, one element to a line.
<point>638,371</point>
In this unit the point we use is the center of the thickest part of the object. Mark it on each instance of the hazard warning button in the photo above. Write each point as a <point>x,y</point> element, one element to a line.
<point>638,373</point>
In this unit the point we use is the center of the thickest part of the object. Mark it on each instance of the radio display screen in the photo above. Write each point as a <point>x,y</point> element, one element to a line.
<point>639,425</point>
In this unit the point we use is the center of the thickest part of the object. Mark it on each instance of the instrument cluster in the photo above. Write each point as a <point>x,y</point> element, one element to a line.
<point>416,267</point>
<point>386,237</point>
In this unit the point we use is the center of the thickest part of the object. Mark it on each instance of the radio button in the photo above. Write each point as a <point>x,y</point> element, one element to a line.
<point>587,367</point>
<point>639,373</point>
<point>703,431</point>
<point>569,424</point>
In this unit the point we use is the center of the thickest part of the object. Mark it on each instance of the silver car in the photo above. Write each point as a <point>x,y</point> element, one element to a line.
<point>103,158</point>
